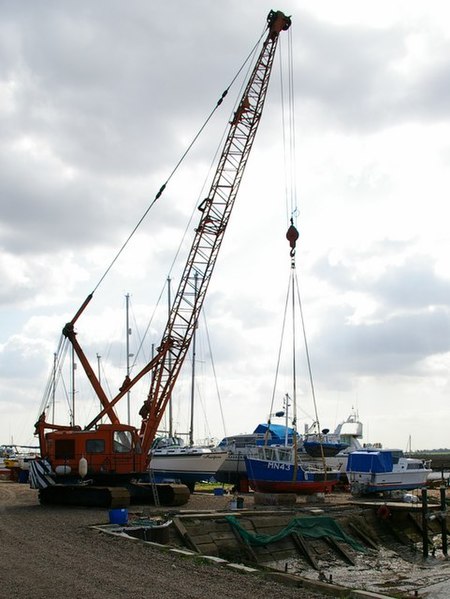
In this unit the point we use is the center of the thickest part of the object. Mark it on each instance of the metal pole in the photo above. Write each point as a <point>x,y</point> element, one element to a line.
<point>169,358</point>
<point>425,522</point>
<point>73,386</point>
<point>128,331</point>
<point>194,348</point>
<point>286,432</point>
<point>444,521</point>
<point>54,388</point>
<point>99,378</point>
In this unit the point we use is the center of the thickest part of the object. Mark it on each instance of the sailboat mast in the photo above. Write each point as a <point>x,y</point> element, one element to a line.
<point>286,405</point>
<point>54,386</point>
<point>194,348</point>
<point>99,375</point>
<point>128,333</point>
<point>73,387</point>
<point>169,305</point>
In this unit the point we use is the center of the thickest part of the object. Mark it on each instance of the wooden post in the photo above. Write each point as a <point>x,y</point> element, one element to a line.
<point>444,521</point>
<point>424,522</point>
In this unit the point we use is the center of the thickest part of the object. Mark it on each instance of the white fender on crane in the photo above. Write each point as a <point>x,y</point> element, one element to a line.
<point>63,469</point>
<point>82,467</point>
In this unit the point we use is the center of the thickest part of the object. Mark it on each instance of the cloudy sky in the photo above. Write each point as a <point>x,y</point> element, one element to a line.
<point>98,102</point>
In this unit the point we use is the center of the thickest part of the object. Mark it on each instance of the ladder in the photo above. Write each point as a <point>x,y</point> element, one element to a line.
<point>154,488</point>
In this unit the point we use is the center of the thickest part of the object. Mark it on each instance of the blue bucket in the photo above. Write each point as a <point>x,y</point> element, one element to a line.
<point>218,491</point>
<point>119,516</point>
<point>23,476</point>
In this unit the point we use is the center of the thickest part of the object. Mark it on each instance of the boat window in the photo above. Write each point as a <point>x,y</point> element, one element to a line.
<point>95,446</point>
<point>414,466</point>
<point>122,441</point>
<point>65,449</point>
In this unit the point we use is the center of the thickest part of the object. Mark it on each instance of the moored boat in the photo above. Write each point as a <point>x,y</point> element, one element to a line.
<point>233,470</point>
<point>383,470</point>
<point>323,445</point>
<point>280,470</point>
<point>174,461</point>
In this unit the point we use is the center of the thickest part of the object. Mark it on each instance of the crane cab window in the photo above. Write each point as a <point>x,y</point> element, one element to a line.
<point>95,446</point>
<point>65,449</point>
<point>122,441</point>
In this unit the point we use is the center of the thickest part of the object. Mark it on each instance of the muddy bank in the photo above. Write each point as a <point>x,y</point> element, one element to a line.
<point>48,552</point>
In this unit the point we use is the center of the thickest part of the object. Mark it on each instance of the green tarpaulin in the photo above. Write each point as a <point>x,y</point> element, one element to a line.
<point>313,527</point>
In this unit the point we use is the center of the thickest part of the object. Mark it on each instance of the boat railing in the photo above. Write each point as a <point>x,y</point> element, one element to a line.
<point>274,453</point>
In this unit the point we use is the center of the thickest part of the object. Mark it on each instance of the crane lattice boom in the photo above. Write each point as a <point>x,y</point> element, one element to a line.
<point>215,213</point>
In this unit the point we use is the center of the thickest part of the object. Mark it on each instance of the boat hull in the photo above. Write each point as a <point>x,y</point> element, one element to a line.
<point>388,481</point>
<point>185,467</point>
<point>270,476</point>
<point>232,470</point>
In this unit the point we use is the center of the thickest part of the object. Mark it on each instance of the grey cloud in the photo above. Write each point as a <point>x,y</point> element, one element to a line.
<point>411,284</point>
<point>350,74</point>
<point>411,321</point>
<point>395,346</point>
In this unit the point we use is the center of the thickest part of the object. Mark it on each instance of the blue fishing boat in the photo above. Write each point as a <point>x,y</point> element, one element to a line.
<point>280,470</point>
<point>233,469</point>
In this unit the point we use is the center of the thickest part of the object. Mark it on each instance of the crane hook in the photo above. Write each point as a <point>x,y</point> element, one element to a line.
<point>292,235</point>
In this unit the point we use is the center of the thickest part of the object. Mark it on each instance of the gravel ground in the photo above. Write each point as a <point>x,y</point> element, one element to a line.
<point>50,552</point>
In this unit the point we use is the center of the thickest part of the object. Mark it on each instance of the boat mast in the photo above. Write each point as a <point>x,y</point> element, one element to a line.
<point>128,333</point>
<point>99,374</point>
<point>169,306</point>
<point>55,358</point>
<point>73,387</point>
<point>194,348</point>
<point>286,406</point>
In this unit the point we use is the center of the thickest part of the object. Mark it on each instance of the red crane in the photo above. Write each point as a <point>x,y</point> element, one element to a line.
<point>116,452</point>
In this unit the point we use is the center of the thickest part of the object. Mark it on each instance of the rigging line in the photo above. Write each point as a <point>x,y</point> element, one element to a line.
<point>187,229</point>
<point>53,380</point>
<point>294,373</point>
<point>310,371</point>
<point>142,340</point>
<point>177,165</point>
<point>67,398</point>
<point>283,129</point>
<point>280,345</point>
<point>294,351</point>
<point>49,384</point>
<point>291,89</point>
<point>308,360</point>
<point>288,130</point>
<point>213,366</point>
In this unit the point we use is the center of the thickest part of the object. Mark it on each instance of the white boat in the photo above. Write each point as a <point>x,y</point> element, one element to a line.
<point>15,461</point>
<point>384,470</point>
<point>349,432</point>
<point>174,461</point>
